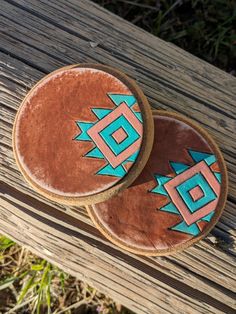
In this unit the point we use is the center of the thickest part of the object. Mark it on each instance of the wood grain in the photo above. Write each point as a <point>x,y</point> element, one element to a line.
<point>36,38</point>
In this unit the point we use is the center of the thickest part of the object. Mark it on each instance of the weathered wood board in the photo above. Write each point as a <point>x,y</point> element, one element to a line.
<point>39,36</point>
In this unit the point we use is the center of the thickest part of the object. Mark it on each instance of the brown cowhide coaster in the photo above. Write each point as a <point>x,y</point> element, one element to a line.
<point>83,133</point>
<point>178,197</point>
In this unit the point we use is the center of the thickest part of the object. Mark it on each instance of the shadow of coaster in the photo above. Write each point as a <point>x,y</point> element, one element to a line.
<point>82,134</point>
<point>177,199</point>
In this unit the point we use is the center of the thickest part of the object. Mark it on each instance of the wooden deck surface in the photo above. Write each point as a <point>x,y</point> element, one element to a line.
<point>38,36</point>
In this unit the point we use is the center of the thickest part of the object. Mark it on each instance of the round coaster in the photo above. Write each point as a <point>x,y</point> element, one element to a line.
<point>83,133</point>
<point>178,197</point>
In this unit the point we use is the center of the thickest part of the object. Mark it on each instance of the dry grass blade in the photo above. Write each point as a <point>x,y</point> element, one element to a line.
<point>30,285</point>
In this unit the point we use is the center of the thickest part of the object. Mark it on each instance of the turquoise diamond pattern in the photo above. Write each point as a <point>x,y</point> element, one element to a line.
<point>107,132</point>
<point>185,187</point>
<point>121,122</point>
<point>184,191</point>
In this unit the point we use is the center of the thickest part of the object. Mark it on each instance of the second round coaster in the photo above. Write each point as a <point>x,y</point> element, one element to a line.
<point>178,197</point>
<point>83,133</point>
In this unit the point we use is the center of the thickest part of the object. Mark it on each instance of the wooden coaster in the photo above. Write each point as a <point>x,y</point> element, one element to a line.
<point>83,133</point>
<point>178,197</point>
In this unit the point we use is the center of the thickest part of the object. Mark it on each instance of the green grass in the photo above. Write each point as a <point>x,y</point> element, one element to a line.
<point>29,284</point>
<point>205,28</point>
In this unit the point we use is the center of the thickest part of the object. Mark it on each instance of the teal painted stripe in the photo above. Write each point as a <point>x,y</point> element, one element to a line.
<point>183,227</point>
<point>178,167</point>
<point>170,208</point>
<point>208,217</point>
<point>95,153</point>
<point>84,127</point>
<point>218,176</point>
<point>118,99</point>
<point>199,156</point>
<point>101,113</point>
<point>110,171</point>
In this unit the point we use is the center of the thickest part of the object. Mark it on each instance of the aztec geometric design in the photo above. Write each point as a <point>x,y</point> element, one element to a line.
<point>193,191</point>
<point>116,135</point>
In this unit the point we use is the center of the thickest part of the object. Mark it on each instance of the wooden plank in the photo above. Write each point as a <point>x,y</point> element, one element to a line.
<point>55,33</point>
<point>143,291</point>
<point>227,222</point>
<point>174,266</point>
<point>177,81</point>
